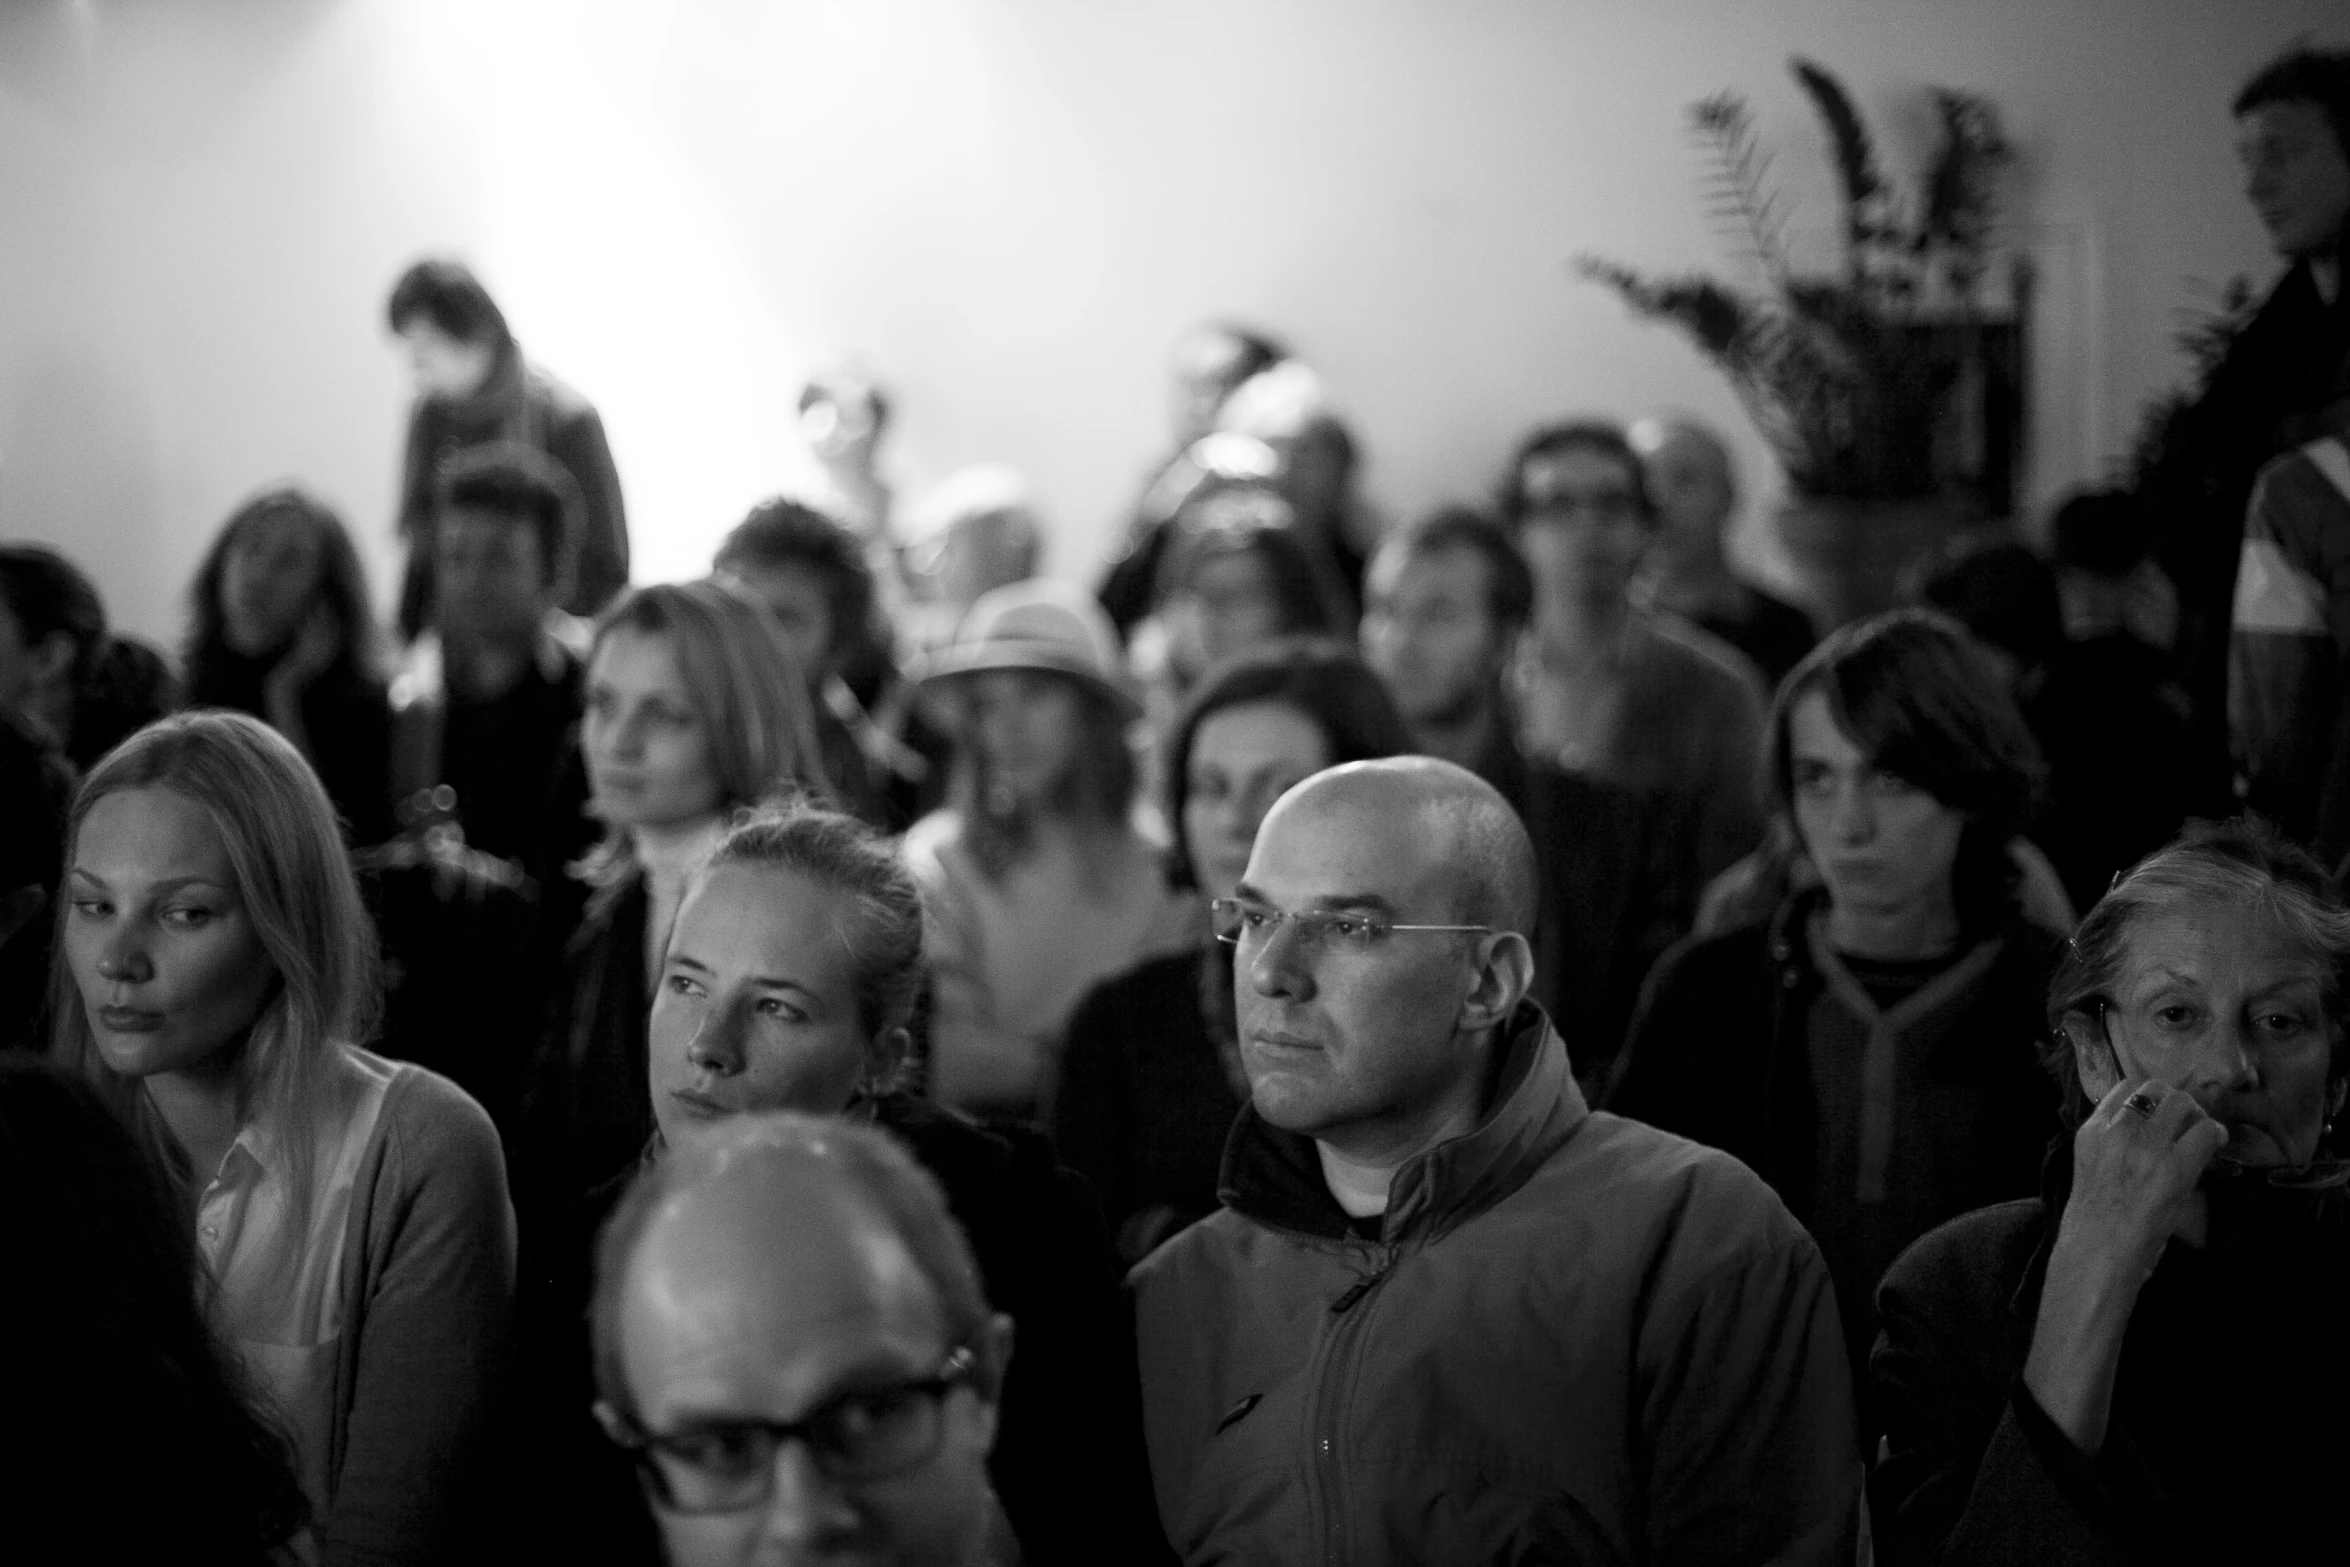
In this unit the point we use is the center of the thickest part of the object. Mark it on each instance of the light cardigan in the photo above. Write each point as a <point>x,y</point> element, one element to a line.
<point>400,1399</point>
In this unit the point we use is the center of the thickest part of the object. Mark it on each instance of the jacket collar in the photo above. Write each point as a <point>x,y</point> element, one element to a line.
<point>1275,1177</point>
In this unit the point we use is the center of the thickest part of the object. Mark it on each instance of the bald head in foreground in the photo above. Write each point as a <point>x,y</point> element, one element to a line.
<point>1447,1312</point>
<point>792,1341</point>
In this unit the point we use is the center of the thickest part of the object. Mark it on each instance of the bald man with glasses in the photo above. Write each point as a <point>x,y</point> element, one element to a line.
<point>1447,1313</point>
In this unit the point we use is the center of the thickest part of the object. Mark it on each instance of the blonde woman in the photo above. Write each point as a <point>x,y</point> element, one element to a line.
<point>695,709</point>
<point>215,974</point>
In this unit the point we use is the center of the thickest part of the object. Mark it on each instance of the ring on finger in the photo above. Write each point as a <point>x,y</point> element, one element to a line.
<point>2142,1102</point>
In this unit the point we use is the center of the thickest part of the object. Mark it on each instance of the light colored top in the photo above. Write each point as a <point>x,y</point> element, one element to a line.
<point>378,1325</point>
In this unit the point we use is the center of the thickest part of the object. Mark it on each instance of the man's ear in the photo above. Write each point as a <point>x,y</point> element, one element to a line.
<point>2093,1056</point>
<point>1505,972</point>
<point>616,1425</point>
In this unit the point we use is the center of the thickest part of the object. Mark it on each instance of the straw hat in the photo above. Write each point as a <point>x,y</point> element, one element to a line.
<point>1037,624</point>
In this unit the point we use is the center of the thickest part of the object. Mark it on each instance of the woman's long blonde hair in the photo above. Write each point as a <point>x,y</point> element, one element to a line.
<point>295,885</point>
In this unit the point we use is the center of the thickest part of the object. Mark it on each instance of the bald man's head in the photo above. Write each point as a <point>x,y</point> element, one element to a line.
<point>1419,804</point>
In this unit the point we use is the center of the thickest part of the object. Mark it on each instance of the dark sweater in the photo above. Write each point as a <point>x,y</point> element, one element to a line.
<point>346,718</point>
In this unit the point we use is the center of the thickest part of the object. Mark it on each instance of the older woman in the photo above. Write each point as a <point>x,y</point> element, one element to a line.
<point>1871,1047</point>
<point>2147,1363</point>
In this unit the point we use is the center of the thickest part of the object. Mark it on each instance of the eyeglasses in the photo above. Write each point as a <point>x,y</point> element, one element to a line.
<point>870,1434</point>
<point>1570,505</point>
<point>1246,922</point>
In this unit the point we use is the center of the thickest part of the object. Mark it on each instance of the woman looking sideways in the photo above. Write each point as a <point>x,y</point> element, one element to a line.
<point>215,975</point>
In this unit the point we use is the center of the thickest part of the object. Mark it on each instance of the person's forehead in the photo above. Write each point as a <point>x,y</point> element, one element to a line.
<point>636,658</point>
<point>1250,732</point>
<point>766,921</point>
<point>1339,839</point>
<point>1450,570</point>
<point>2291,117</point>
<point>1576,469</point>
<point>152,834</point>
<point>480,527</point>
<point>1814,734</point>
<point>2225,943</point>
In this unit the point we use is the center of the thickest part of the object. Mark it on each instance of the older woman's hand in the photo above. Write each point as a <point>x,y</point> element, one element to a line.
<point>2136,1162</point>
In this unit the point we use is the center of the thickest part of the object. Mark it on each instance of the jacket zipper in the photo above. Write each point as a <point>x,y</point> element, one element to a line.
<point>1326,1494</point>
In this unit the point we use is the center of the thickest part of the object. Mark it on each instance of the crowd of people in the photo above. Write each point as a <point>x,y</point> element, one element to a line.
<point>1483,1039</point>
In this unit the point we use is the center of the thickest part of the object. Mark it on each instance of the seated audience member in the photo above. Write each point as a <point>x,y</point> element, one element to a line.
<point>484,712</point>
<point>1238,576</point>
<point>1447,1313</point>
<point>279,626</point>
<point>843,416</point>
<point>695,711</point>
<point>884,759</point>
<point>135,1438</point>
<point>36,787</point>
<point>1630,695</point>
<point>1150,1078</point>
<point>1871,1048</point>
<point>60,670</point>
<point>793,1280</point>
<point>1695,485</point>
<point>1037,885</point>
<point>979,533</point>
<point>1448,601</point>
<point>473,388</point>
<point>2101,543</point>
<point>1283,406</point>
<point>214,977</point>
<point>2288,712</point>
<point>791,984</point>
<point>1209,362</point>
<point>2144,1365</point>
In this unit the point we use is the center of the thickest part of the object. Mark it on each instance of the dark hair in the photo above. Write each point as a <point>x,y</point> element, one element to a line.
<point>511,480</point>
<point>1509,583</point>
<point>446,293</point>
<point>46,593</point>
<point>1919,700</point>
<point>882,931</point>
<point>782,533</point>
<point>108,1351</point>
<point>342,582</point>
<point>838,386</point>
<point>2237,862</point>
<point>1574,435</point>
<point>2318,76</point>
<point>2001,591</point>
<point>1301,584</point>
<point>1322,678</point>
<point>2100,531</point>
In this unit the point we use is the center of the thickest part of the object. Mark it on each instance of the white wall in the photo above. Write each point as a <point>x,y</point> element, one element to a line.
<point>1006,207</point>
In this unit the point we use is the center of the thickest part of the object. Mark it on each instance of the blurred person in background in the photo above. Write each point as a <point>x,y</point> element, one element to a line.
<point>1238,576</point>
<point>474,388</point>
<point>1631,695</point>
<point>280,626</point>
<point>844,416</point>
<point>61,671</point>
<point>1448,602</point>
<point>108,1353</point>
<point>1208,363</point>
<point>214,979</point>
<point>975,532</point>
<point>1037,882</point>
<point>1150,1077</point>
<point>1285,407</point>
<point>1695,485</point>
<point>36,789</point>
<point>1870,1049</point>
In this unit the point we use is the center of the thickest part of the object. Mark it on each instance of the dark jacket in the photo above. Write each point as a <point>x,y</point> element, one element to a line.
<point>1148,1092</point>
<point>1572,1338</point>
<point>521,403</point>
<point>2226,1442</point>
<point>587,1109</point>
<point>1872,1129</point>
<point>1769,630</point>
<point>346,718</point>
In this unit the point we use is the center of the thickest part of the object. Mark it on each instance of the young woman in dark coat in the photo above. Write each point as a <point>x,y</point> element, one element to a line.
<point>2146,1364</point>
<point>1871,1048</point>
<point>1151,1075</point>
<point>279,627</point>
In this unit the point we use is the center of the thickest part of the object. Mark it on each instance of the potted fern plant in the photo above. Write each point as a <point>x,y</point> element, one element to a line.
<point>1889,391</point>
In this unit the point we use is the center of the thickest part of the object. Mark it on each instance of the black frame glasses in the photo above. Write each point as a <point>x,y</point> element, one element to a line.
<point>864,1434</point>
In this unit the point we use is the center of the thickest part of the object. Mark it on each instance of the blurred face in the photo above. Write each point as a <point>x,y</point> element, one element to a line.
<point>169,966</point>
<point>840,429</point>
<point>757,1004</point>
<point>648,751</point>
<point>1351,1046</point>
<point>1243,758</point>
<point>732,1319</point>
<point>801,603</point>
<point>1689,480</point>
<point>1233,605</point>
<point>1029,727</point>
<point>980,554</point>
<point>269,578</point>
<point>1583,533</point>
<point>1429,632</point>
<point>490,580</point>
<point>2297,176</point>
<point>26,667</point>
<point>1884,846</point>
<point>1207,366</point>
<point>2222,1002</point>
<point>442,367</point>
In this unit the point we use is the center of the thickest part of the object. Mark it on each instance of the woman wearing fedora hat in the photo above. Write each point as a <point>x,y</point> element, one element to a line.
<point>1035,881</point>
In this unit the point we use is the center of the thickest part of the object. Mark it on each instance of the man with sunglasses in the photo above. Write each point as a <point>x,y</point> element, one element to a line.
<point>1447,1313</point>
<point>792,1342</point>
